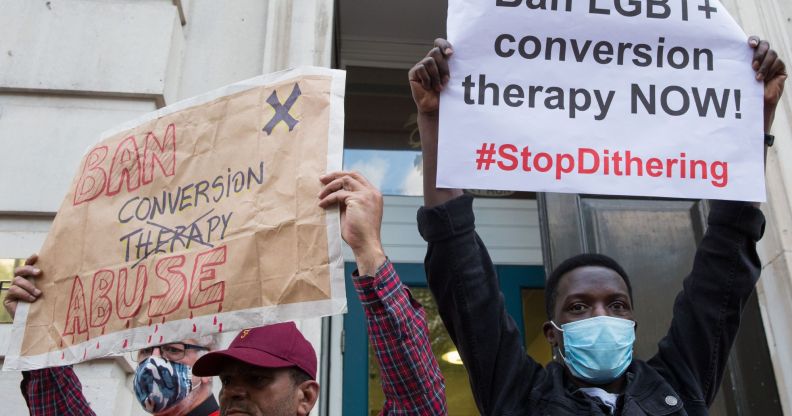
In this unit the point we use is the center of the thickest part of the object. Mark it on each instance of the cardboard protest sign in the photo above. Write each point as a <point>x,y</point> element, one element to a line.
<point>651,98</point>
<point>199,218</point>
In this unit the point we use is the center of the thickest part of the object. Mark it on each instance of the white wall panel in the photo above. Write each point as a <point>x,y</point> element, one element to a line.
<point>22,236</point>
<point>509,228</point>
<point>224,43</point>
<point>91,47</point>
<point>43,139</point>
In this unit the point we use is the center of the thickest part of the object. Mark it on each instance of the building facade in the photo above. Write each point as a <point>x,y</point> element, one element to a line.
<point>70,69</point>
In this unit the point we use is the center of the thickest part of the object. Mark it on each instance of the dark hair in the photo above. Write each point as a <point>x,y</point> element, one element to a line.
<point>298,375</point>
<point>572,263</point>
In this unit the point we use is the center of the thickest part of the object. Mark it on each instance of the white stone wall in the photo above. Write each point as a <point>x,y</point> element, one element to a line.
<point>70,69</point>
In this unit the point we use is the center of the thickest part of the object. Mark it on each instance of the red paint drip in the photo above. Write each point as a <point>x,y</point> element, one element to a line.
<point>149,339</point>
<point>195,329</point>
<point>97,345</point>
<point>126,342</point>
<point>63,355</point>
<point>163,320</point>
<point>127,324</point>
<point>191,315</point>
<point>221,327</point>
<point>156,328</point>
<point>61,343</point>
<point>220,308</point>
<point>215,321</point>
<point>103,329</point>
<point>85,353</point>
<point>149,321</point>
<point>160,339</point>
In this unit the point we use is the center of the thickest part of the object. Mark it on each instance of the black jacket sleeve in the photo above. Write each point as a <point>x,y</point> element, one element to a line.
<point>707,311</point>
<point>463,281</point>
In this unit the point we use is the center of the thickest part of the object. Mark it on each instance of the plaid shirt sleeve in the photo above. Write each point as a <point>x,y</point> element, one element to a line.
<point>53,392</point>
<point>411,378</point>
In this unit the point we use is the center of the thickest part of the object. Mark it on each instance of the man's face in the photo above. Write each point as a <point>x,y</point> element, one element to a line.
<point>257,391</point>
<point>587,292</point>
<point>182,352</point>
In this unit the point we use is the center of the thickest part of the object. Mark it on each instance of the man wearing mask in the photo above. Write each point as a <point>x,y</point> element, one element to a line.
<point>271,370</point>
<point>163,383</point>
<point>590,324</point>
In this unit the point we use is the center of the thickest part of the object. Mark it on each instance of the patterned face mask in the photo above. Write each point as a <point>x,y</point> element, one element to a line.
<point>160,384</point>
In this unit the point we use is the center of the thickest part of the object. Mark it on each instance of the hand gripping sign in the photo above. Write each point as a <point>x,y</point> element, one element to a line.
<point>196,219</point>
<point>652,98</point>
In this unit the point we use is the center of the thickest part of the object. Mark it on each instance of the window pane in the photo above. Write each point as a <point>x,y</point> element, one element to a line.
<point>458,394</point>
<point>7,267</point>
<point>393,172</point>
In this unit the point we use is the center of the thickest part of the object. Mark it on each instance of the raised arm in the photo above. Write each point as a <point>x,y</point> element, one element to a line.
<point>459,270</point>
<point>427,79</point>
<point>725,271</point>
<point>396,323</point>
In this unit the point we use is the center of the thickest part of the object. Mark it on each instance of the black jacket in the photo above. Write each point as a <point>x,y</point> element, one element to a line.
<point>681,379</point>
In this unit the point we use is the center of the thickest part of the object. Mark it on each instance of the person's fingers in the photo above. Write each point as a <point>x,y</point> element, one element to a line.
<point>444,46</point>
<point>16,292</point>
<point>753,41</point>
<point>330,176</point>
<point>26,285</point>
<point>777,70</point>
<point>337,197</point>
<point>346,181</point>
<point>759,54</point>
<point>362,179</point>
<point>768,61</point>
<point>423,75</point>
<point>27,271</point>
<point>31,260</point>
<point>434,73</point>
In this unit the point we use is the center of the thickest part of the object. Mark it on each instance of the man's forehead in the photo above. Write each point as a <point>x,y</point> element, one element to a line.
<point>232,367</point>
<point>587,278</point>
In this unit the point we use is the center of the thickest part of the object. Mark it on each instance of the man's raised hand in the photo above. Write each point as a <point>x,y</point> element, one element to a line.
<point>22,289</point>
<point>770,69</point>
<point>360,204</point>
<point>429,76</point>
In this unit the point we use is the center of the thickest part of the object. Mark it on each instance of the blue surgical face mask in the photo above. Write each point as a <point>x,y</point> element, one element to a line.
<point>598,350</point>
<point>160,384</point>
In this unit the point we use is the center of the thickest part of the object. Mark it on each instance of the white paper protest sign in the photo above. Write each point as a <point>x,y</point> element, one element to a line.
<point>647,98</point>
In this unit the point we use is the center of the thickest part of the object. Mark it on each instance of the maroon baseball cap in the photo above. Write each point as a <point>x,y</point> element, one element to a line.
<point>272,346</point>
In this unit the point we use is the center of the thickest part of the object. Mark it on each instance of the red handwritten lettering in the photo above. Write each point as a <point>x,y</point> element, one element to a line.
<point>128,169</point>
<point>76,314</point>
<point>168,270</point>
<point>163,154</point>
<point>93,177</point>
<point>126,307</point>
<point>101,306</point>
<point>125,168</point>
<point>203,272</point>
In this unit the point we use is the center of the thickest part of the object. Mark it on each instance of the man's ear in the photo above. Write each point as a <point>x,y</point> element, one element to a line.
<point>308,393</point>
<point>550,334</point>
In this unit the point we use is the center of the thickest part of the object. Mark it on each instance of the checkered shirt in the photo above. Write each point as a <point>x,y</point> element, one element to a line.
<point>54,392</point>
<point>411,378</point>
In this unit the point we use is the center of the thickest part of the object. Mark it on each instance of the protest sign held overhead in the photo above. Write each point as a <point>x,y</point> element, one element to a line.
<point>196,219</point>
<point>644,98</point>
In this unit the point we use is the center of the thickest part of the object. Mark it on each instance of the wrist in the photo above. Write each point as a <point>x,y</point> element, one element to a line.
<point>429,114</point>
<point>369,259</point>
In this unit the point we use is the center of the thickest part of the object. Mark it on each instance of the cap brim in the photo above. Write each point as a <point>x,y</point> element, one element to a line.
<point>212,363</point>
